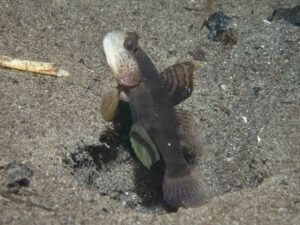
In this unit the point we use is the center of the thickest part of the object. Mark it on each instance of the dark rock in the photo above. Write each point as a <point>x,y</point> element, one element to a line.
<point>216,24</point>
<point>256,90</point>
<point>291,15</point>
<point>18,174</point>
<point>227,37</point>
<point>105,210</point>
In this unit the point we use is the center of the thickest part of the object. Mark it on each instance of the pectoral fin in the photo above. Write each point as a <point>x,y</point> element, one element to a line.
<point>109,104</point>
<point>143,146</point>
<point>178,79</point>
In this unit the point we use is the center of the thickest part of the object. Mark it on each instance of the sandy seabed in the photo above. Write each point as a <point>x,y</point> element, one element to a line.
<point>246,96</point>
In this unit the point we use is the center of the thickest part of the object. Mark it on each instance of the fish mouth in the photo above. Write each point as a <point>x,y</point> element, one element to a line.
<point>122,61</point>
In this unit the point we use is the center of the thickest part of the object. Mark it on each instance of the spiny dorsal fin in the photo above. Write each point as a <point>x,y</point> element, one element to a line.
<point>143,146</point>
<point>178,79</point>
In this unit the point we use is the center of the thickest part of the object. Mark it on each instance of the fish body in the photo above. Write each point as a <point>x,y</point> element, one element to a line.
<point>154,113</point>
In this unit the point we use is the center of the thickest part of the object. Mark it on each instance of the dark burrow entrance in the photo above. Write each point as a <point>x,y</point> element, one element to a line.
<point>111,168</point>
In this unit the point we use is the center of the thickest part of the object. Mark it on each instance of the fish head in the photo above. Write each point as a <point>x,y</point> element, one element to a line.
<point>120,48</point>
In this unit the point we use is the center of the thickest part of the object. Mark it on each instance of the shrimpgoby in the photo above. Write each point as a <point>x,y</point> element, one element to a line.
<point>156,131</point>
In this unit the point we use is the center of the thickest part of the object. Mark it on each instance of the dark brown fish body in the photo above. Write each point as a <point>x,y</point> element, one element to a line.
<point>155,112</point>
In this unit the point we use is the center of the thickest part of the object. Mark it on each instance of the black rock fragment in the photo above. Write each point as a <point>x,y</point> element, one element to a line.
<point>18,174</point>
<point>105,210</point>
<point>291,15</point>
<point>216,24</point>
<point>256,91</point>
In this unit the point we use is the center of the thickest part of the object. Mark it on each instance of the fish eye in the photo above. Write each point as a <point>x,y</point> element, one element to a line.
<point>128,45</point>
<point>131,41</point>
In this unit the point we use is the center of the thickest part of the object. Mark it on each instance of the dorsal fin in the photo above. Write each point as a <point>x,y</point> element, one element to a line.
<point>188,128</point>
<point>178,79</point>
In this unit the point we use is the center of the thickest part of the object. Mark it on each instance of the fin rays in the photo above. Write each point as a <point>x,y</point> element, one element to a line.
<point>178,80</point>
<point>189,132</point>
<point>143,146</point>
<point>185,191</point>
<point>109,104</point>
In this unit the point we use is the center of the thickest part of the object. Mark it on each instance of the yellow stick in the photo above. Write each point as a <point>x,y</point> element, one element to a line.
<point>32,66</point>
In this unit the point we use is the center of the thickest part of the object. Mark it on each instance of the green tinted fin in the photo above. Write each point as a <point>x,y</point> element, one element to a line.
<point>143,146</point>
<point>178,79</point>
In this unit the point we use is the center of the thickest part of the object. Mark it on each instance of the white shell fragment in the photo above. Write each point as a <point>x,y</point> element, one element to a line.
<point>245,119</point>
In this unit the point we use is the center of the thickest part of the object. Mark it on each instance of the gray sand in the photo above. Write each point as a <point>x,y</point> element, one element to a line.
<point>246,96</point>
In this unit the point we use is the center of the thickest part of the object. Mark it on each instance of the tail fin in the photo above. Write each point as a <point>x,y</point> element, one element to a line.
<point>185,190</point>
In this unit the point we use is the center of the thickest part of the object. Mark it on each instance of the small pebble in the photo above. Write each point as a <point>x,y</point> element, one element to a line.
<point>105,210</point>
<point>258,139</point>
<point>283,210</point>
<point>124,203</point>
<point>224,86</point>
<point>256,90</point>
<point>267,21</point>
<point>229,159</point>
<point>245,119</point>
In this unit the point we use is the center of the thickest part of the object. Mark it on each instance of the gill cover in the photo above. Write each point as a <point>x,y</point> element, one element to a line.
<point>119,48</point>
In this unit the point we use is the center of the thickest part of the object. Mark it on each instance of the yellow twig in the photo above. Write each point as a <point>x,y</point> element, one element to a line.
<point>33,66</point>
